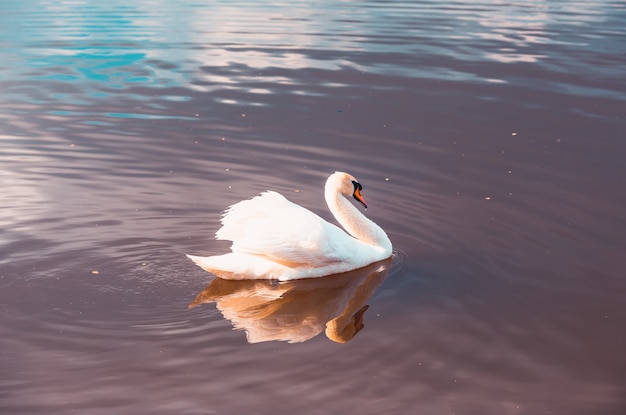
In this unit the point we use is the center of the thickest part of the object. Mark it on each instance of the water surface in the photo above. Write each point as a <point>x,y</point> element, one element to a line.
<point>488,136</point>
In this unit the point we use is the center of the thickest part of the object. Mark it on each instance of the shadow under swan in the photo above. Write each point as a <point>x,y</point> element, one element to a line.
<point>296,311</point>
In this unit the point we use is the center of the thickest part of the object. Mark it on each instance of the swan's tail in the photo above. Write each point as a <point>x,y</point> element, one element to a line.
<point>206,264</point>
<point>237,266</point>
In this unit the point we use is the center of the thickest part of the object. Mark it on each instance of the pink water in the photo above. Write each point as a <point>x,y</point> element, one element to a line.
<point>489,138</point>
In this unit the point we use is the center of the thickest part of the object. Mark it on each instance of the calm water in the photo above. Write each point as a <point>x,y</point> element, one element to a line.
<point>489,137</point>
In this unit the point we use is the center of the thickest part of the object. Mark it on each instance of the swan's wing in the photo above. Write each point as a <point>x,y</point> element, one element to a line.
<point>271,226</point>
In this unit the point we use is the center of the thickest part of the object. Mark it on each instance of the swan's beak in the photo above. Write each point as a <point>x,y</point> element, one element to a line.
<point>357,195</point>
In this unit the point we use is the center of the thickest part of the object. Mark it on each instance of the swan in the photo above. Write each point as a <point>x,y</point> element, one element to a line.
<point>273,238</point>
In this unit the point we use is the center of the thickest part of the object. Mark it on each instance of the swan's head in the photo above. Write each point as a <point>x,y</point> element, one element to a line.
<point>345,184</point>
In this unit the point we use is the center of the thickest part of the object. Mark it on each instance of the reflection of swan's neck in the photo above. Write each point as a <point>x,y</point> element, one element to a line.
<point>354,222</point>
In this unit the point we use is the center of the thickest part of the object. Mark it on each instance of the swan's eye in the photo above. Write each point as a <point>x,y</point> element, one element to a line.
<point>357,186</point>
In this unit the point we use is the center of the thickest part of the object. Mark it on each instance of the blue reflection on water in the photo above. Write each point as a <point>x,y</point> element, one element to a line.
<point>86,51</point>
<point>119,115</point>
<point>92,66</point>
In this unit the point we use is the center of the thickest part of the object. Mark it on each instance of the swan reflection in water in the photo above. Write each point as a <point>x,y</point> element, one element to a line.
<point>296,311</point>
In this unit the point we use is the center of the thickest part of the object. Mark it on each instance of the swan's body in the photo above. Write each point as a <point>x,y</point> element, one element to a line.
<point>274,238</point>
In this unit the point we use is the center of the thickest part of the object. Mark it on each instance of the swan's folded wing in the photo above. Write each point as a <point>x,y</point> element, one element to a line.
<point>271,226</point>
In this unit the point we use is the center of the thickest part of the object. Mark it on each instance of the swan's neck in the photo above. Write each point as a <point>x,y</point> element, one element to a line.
<point>354,222</point>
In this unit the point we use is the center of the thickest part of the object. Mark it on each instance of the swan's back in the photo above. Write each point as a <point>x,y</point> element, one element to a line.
<point>238,218</point>
<point>272,227</point>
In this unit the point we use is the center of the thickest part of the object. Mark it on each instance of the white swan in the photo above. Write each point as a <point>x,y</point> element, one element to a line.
<point>274,238</point>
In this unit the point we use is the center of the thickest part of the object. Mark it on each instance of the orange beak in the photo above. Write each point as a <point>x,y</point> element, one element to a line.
<point>357,195</point>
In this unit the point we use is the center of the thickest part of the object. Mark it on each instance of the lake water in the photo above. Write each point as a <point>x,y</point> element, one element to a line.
<point>489,137</point>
